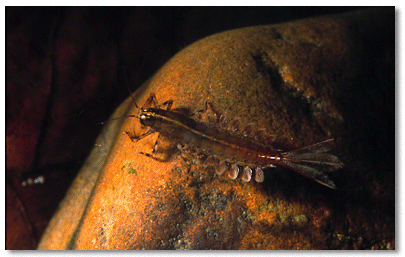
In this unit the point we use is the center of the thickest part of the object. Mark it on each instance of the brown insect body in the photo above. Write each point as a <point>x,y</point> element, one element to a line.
<point>235,147</point>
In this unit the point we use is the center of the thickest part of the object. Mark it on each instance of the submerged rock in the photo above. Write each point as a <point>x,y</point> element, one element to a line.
<point>304,81</point>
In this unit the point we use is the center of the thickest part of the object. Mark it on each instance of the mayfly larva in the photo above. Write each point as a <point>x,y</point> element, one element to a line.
<point>230,147</point>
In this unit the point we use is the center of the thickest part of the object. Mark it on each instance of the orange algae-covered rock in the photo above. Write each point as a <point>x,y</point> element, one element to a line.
<point>292,79</point>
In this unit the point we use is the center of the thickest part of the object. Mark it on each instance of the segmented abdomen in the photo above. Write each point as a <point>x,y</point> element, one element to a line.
<point>235,147</point>
<point>222,145</point>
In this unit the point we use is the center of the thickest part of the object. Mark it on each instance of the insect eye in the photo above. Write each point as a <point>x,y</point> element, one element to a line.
<point>145,116</point>
<point>146,119</point>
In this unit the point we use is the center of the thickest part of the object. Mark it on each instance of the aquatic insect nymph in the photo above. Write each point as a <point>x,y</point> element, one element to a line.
<point>230,147</point>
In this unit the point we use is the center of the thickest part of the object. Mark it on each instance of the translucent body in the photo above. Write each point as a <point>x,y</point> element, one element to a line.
<point>235,146</point>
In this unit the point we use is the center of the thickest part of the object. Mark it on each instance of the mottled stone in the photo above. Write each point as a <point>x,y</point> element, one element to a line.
<point>304,81</point>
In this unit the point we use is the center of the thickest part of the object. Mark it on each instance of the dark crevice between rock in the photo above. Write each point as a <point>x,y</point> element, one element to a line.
<point>268,69</point>
<point>295,98</point>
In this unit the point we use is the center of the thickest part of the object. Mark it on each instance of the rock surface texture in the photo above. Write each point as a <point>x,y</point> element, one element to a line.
<point>305,81</point>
